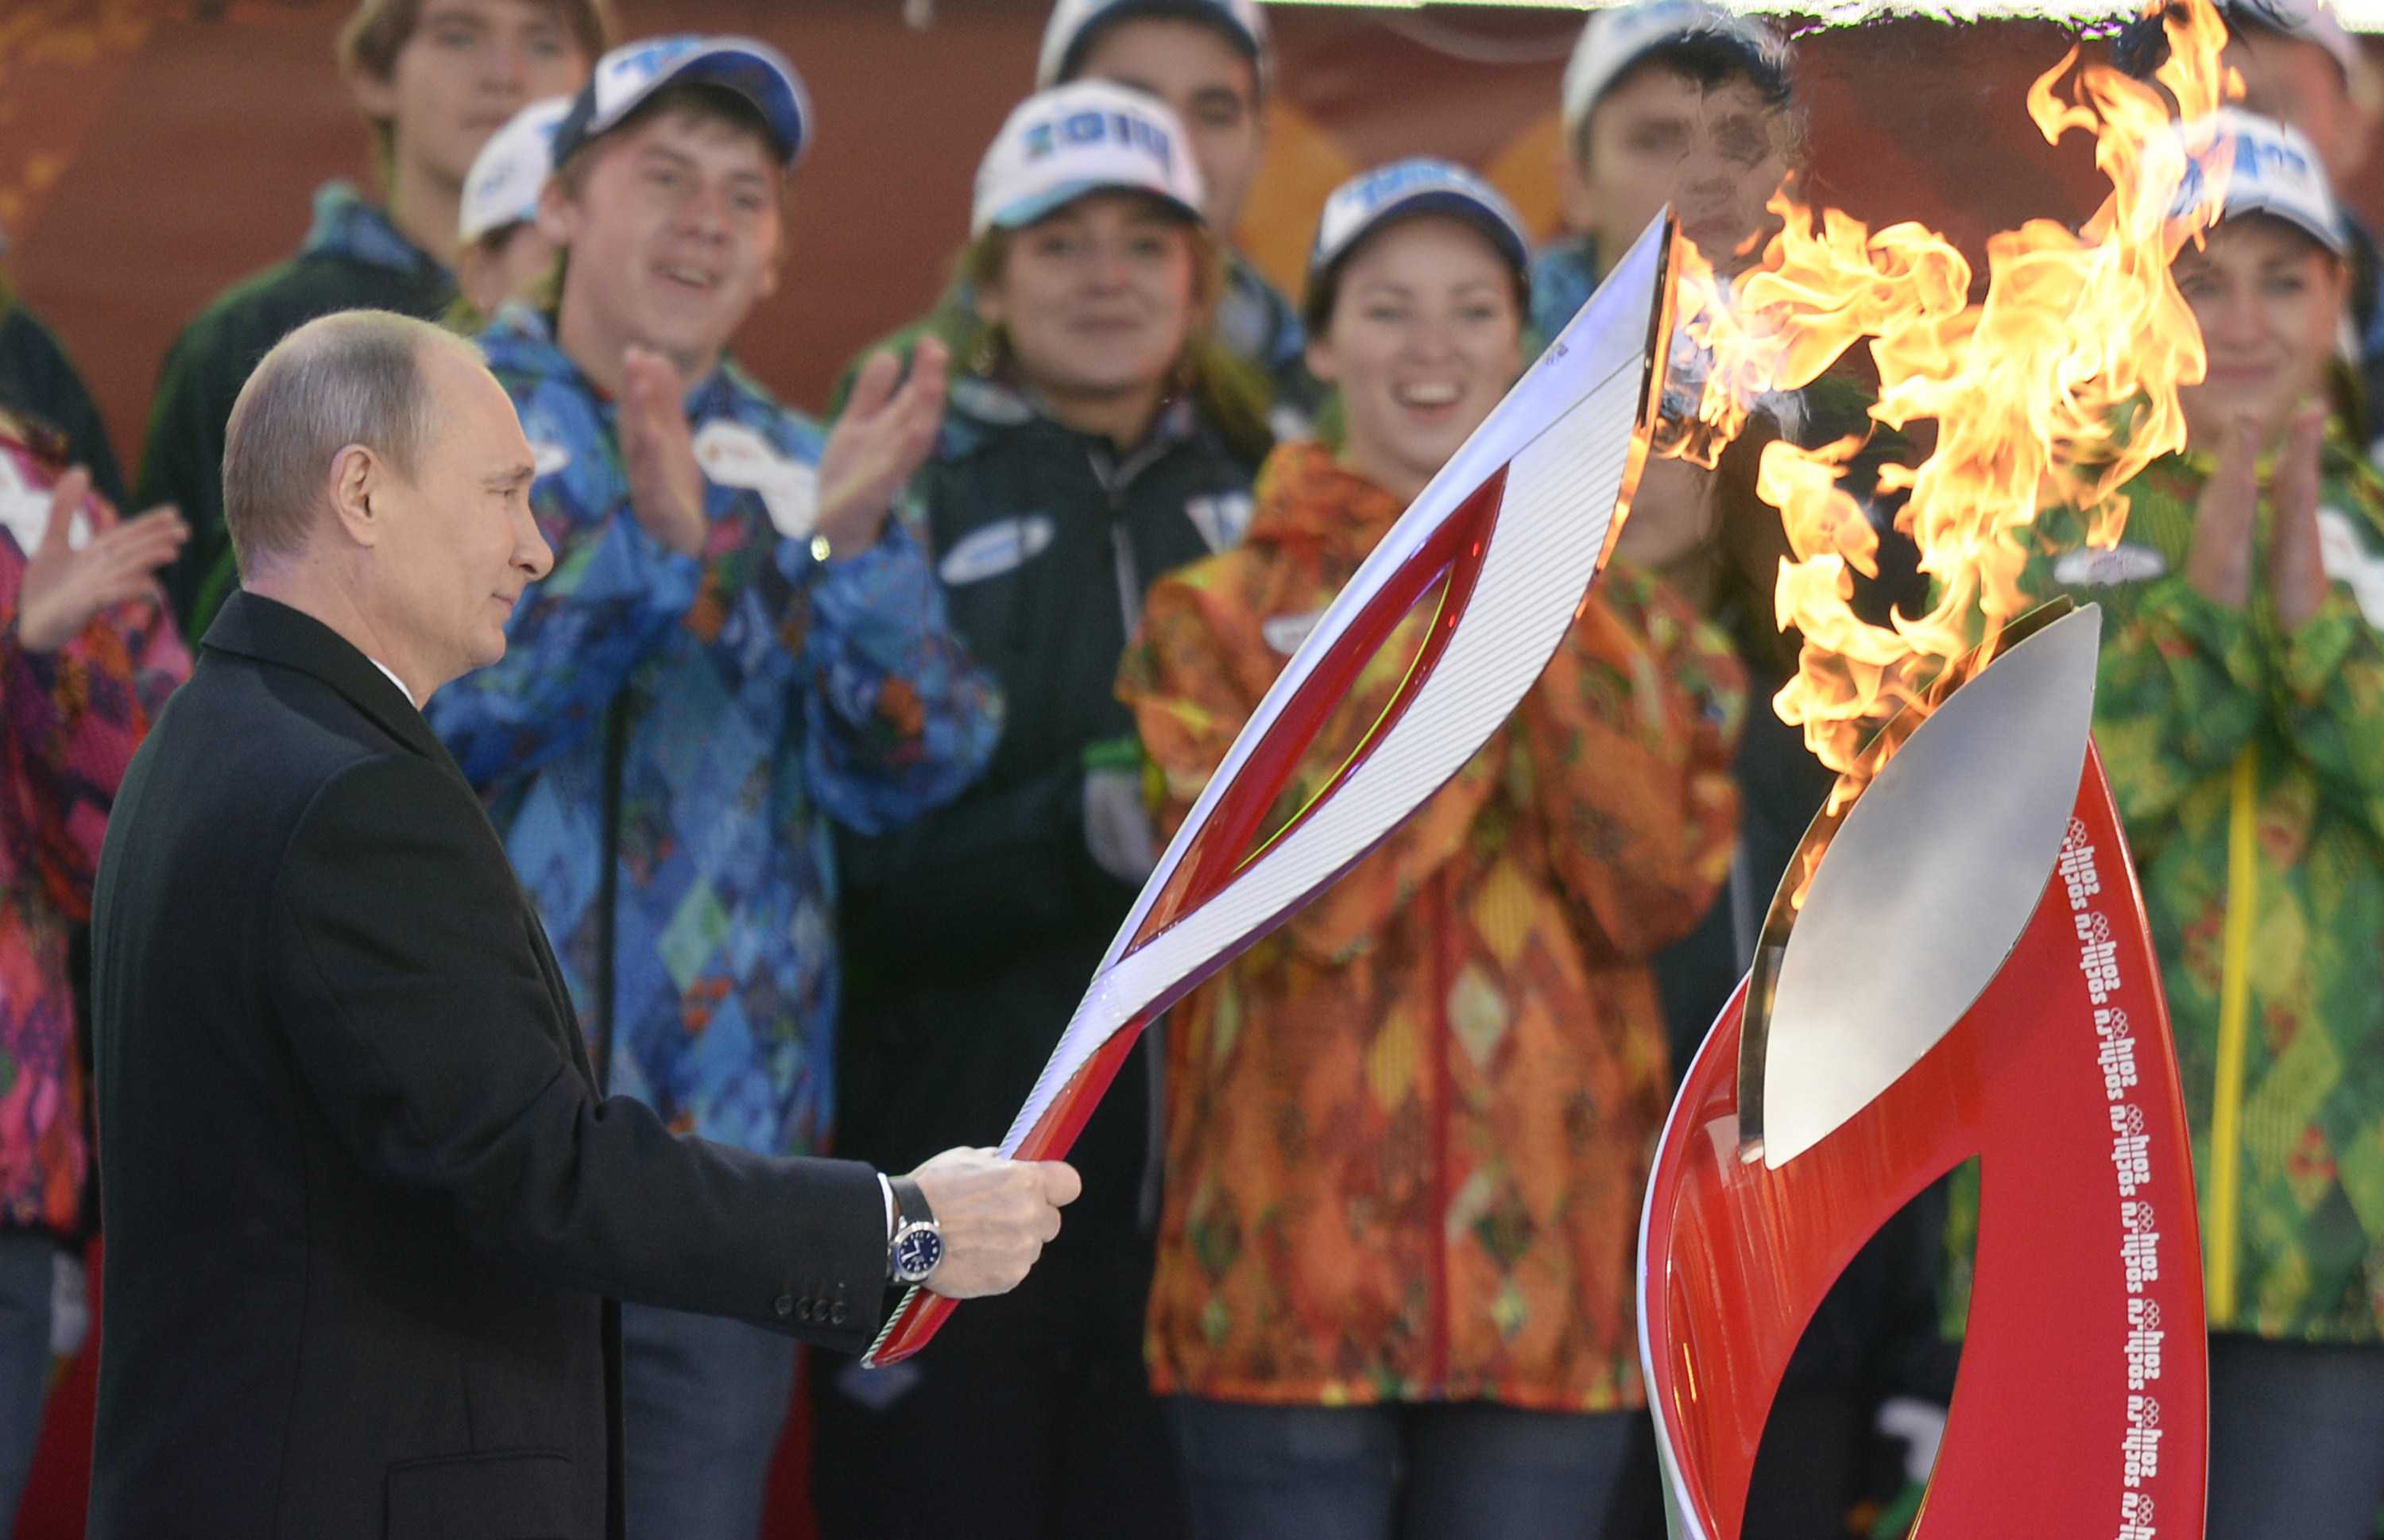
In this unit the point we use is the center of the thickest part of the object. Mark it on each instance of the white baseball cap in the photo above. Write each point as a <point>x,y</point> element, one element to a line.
<point>629,74</point>
<point>2270,170</point>
<point>1619,37</point>
<point>1069,33</point>
<point>1418,185</point>
<point>511,170</point>
<point>1087,136</point>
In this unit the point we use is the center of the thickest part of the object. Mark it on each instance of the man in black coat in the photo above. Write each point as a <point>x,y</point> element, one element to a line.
<point>368,1215</point>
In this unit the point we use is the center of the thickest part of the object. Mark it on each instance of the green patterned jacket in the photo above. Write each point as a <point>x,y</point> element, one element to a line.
<point>2248,769</point>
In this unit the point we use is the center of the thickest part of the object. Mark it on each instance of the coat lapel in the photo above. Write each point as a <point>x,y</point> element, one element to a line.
<point>253,626</point>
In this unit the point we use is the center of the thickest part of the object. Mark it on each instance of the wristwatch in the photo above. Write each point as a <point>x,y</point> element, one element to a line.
<point>918,1243</point>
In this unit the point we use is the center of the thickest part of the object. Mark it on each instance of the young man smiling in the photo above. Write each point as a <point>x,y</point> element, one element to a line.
<point>433,80</point>
<point>1665,101</point>
<point>735,645</point>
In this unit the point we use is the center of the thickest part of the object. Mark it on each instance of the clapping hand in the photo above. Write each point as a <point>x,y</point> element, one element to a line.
<point>880,441</point>
<point>2296,569</point>
<point>2226,520</point>
<point>2219,564</point>
<point>64,587</point>
<point>658,452</point>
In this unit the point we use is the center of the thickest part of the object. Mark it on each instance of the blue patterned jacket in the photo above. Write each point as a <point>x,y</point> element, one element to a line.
<point>701,719</point>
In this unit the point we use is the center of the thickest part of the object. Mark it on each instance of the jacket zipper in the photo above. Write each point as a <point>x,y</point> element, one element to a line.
<point>608,885</point>
<point>1114,481</point>
<point>2234,1028</point>
<point>1444,1088</point>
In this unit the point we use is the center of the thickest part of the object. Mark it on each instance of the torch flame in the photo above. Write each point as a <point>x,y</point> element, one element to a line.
<point>2053,390</point>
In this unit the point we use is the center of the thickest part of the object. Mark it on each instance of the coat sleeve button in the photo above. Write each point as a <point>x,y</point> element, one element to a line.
<point>784,1305</point>
<point>839,1315</point>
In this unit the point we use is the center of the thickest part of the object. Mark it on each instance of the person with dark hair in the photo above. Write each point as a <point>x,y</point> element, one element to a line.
<point>2301,67</point>
<point>41,388</point>
<point>372,1221</point>
<point>40,384</point>
<point>739,648</point>
<point>1094,442</point>
<point>1676,102</point>
<point>87,655</point>
<point>1407,1132</point>
<point>433,80</point>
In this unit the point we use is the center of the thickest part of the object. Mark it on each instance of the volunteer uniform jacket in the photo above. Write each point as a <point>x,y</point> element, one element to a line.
<point>971,932</point>
<point>668,736</point>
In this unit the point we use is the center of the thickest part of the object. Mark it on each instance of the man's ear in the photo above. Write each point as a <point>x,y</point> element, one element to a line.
<point>777,262</point>
<point>2354,135</point>
<point>375,96</point>
<point>987,299</point>
<point>357,474</point>
<point>558,216</point>
<point>1323,363</point>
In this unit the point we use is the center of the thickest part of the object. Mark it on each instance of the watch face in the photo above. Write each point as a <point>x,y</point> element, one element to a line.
<point>916,1252</point>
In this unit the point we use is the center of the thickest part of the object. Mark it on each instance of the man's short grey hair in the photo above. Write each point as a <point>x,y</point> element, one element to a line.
<point>351,377</point>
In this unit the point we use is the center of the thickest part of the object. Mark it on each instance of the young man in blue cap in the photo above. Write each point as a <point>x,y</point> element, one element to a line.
<point>737,644</point>
<point>433,80</point>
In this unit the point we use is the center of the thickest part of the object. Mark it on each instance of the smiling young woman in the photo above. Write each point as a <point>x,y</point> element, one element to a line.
<point>1096,437</point>
<point>2237,710</point>
<point>1406,1134</point>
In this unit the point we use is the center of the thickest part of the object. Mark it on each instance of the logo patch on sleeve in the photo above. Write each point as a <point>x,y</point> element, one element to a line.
<point>2346,561</point>
<point>25,509</point>
<point>1285,632</point>
<point>735,455</point>
<point>2091,568</point>
<point>1220,518</point>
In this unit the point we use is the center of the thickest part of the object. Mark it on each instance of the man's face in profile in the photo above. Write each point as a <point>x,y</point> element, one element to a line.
<point>460,544</point>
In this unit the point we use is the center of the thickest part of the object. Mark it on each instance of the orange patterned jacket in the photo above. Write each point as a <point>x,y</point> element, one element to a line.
<point>1407,1133</point>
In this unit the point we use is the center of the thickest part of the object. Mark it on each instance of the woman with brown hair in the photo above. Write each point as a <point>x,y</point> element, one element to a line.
<point>1095,437</point>
<point>1407,1133</point>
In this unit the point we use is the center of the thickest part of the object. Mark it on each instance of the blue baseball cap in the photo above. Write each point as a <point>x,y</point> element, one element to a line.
<point>626,78</point>
<point>1420,185</point>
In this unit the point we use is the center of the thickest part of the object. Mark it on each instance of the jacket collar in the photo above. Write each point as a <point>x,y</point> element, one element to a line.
<point>251,626</point>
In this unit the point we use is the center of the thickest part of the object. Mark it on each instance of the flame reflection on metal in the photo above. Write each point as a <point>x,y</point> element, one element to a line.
<point>1983,784</point>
